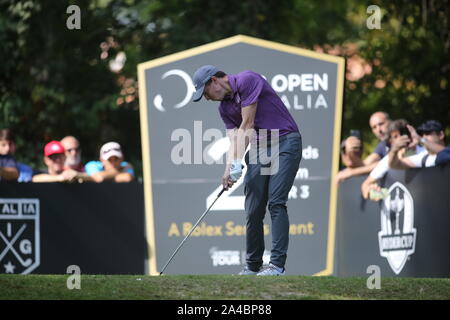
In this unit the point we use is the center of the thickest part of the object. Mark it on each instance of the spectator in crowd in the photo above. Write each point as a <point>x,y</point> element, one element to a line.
<point>430,134</point>
<point>8,165</point>
<point>443,157</point>
<point>397,130</point>
<point>25,171</point>
<point>351,153</point>
<point>73,153</point>
<point>111,165</point>
<point>54,159</point>
<point>379,123</point>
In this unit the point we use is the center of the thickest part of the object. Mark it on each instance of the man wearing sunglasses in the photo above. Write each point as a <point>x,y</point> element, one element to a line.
<point>73,153</point>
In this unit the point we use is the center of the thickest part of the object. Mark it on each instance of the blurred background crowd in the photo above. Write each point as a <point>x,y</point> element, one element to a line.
<point>400,146</point>
<point>63,163</point>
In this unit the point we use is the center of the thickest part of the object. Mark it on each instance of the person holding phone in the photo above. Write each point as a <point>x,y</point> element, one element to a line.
<point>430,135</point>
<point>402,145</point>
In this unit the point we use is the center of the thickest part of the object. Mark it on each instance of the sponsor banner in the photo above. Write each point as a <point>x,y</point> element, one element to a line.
<point>406,234</point>
<point>185,144</point>
<point>20,235</point>
<point>47,227</point>
<point>232,257</point>
<point>398,235</point>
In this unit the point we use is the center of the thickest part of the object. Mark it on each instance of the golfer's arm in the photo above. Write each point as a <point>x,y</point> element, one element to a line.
<point>244,132</point>
<point>231,134</point>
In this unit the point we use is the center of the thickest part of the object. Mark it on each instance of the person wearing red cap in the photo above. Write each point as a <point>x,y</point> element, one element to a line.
<point>54,158</point>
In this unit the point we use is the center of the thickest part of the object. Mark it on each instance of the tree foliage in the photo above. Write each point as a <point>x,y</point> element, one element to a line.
<point>55,81</point>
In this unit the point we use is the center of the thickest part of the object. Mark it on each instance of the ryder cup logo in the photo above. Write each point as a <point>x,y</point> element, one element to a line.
<point>397,237</point>
<point>19,235</point>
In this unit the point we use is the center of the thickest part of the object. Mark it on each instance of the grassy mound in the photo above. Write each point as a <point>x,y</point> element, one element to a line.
<point>218,287</point>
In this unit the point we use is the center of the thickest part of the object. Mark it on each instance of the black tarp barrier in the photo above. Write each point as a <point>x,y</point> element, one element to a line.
<point>419,248</point>
<point>44,228</point>
<point>47,227</point>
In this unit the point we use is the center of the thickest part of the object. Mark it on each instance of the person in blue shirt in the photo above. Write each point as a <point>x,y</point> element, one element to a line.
<point>111,166</point>
<point>430,135</point>
<point>443,157</point>
<point>25,171</point>
<point>8,164</point>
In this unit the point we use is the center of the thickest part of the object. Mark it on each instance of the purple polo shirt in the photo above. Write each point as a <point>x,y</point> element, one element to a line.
<point>248,88</point>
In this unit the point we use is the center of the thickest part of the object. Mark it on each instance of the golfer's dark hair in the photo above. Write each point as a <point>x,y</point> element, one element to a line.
<point>218,74</point>
<point>6,134</point>
<point>397,125</point>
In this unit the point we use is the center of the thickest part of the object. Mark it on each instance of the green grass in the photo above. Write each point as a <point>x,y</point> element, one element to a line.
<point>218,287</point>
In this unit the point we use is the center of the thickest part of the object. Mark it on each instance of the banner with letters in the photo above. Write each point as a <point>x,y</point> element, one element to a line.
<point>20,235</point>
<point>184,146</point>
<point>47,227</point>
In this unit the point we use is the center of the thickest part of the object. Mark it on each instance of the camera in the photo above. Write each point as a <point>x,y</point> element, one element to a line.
<point>404,131</point>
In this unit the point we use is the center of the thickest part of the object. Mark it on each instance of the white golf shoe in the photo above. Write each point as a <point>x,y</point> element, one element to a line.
<point>272,270</point>
<point>248,272</point>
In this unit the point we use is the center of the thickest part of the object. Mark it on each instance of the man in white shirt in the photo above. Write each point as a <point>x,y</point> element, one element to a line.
<point>430,135</point>
<point>399,140</point>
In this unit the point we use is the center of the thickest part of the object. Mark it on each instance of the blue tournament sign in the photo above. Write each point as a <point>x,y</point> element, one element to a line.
<point>184,145</point>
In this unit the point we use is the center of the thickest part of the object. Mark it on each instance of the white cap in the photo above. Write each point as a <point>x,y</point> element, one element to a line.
<point>110,149</point>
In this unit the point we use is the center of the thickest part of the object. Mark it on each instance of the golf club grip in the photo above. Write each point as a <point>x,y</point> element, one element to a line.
<point>223,189</point>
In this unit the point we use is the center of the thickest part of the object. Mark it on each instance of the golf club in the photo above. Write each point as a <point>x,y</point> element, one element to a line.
<point>192,229</point>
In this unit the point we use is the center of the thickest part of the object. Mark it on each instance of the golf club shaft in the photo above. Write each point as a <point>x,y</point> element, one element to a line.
<point>192,229</point>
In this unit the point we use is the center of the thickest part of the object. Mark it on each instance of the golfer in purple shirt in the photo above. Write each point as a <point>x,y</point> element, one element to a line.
<point>253,113</point>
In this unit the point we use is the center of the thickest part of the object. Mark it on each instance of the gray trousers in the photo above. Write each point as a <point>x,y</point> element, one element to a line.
<point>262,189</point>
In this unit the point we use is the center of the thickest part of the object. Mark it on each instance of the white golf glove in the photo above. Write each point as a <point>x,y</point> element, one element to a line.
<point>236,170</point>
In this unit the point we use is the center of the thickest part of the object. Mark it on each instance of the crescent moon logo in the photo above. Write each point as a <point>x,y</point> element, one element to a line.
<point>190,89</point>
<point>158,103</point>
